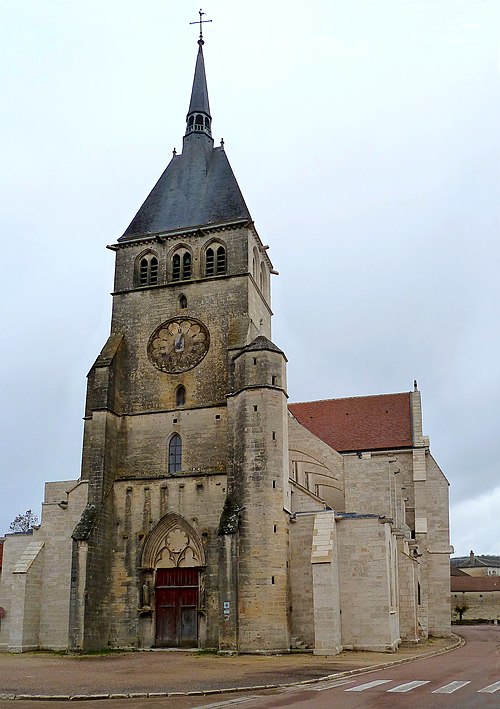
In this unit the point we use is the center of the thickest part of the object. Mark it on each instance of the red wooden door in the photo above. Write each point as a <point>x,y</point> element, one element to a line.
<point>176,603</point>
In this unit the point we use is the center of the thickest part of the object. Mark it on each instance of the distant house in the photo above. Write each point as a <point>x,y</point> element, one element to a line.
<point>477,565</point>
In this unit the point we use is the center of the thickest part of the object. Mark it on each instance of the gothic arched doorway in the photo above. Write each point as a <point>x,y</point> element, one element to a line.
<point>174,554</point>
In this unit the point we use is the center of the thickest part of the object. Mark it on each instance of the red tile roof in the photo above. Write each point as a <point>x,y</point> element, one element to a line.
<point>475,583</point>
<point>361,423</point>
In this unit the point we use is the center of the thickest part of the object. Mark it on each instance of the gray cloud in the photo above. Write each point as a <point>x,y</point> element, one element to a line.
<point>364,137</point>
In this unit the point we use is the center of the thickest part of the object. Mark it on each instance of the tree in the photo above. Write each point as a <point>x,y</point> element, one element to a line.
<point>24,522</point>
<point>460,609</point>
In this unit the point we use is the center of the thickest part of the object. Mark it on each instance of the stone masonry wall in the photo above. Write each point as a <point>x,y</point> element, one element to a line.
<point>14,546</point>
<point>326,585</point>
<point>438,549</point>
<point>315,466</point>
<point>369,622</point>
<point>58,523</point>
<point>258,481</point>
<point>480,605</point>
<point>26,597</point>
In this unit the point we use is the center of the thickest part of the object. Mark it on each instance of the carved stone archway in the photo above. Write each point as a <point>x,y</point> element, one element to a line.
<point>173,543</point>
<point>172,586</point>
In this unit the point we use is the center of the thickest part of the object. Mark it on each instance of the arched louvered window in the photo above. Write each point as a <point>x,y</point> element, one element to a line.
<point>186,266</point>
<point>176,267</point>
<point>221,261</point>
<point>147,270</point>
<point>180,396</point>
<point>215,260</point>
<point>182,265</point>
<point>175,454</point>
<point>209,262</point>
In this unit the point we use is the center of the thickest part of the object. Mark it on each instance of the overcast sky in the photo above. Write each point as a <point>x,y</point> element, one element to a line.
<point>364,136</point>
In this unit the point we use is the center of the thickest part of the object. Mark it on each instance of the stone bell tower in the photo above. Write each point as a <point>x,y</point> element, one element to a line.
<point>186,417</point>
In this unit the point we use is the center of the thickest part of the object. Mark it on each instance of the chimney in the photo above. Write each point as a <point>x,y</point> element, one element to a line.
<point>472,559</point>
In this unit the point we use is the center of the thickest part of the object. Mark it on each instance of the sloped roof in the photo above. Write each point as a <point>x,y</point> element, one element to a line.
<point>455,571</point>
<point>477,562</point>
<point>198,187</point>
<point>360,423</point>
<point>260,343</point>
<point>475,583</point>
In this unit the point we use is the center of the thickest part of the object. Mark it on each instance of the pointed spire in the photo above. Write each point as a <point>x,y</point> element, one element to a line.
<point>198,118</point>
<point>198,186</point>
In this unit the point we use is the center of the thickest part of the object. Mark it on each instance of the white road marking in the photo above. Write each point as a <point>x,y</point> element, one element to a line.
<point>409,686</point>
<point>450,688</point>
<point>332,685</point>
<point>491,688</point>
<point>228,702</point>
<point>368,685</point>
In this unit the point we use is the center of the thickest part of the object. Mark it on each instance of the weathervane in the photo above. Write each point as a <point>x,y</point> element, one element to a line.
<point>200,22</point>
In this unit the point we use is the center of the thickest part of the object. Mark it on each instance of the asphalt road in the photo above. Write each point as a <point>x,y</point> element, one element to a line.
<point>465,678</point>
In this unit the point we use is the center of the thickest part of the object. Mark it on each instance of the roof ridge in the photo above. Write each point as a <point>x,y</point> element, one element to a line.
<point>349,398</point>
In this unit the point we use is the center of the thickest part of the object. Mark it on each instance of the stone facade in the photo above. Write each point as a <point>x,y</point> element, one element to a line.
<point>208,513</point>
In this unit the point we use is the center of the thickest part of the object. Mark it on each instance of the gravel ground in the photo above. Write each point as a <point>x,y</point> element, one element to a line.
<point>45,673</point>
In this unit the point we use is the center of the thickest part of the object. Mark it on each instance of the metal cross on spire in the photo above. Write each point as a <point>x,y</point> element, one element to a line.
<point>200,22</point>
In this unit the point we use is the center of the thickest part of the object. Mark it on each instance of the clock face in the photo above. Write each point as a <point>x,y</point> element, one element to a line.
<point>178,345</point>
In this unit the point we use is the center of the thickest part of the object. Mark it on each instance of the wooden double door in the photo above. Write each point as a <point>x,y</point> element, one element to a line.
<point>176,600</point>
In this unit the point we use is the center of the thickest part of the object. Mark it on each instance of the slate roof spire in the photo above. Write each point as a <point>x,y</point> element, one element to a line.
<point>198,117</point>
<point>198,187</point>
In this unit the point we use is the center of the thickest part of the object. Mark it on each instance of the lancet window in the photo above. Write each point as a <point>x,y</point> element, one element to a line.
<point>180,396</point>
<point>175,454</point>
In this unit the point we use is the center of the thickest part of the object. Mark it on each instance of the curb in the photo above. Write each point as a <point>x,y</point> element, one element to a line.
<point>458,642</point>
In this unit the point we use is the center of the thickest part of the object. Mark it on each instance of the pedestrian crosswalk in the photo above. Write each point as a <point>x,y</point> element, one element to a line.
<point>378,684</point>
<point>451,687</point>
<point>409,686</point>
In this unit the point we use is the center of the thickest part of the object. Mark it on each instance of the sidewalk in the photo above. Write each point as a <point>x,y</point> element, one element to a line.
<point>175,673</point>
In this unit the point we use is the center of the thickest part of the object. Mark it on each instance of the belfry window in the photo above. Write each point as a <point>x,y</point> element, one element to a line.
<point>175,454</point>
<point>198,122</point>
<point>147,271</point>
<point>209,262</point>
<point>186,266</point>
<point>176,267</point>
<point>221,261</point>
<point>180,396</point>
<point>215,260</point>
<point>182,265</point>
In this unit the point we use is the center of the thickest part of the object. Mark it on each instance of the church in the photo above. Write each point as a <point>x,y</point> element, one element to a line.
<point>210,512</point>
